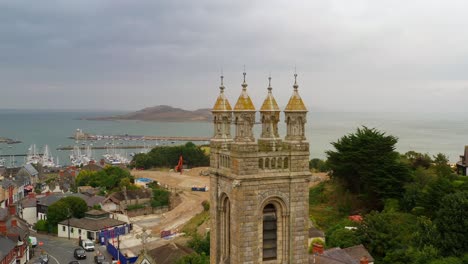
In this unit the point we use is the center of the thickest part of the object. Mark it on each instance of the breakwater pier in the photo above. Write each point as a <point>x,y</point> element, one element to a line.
<point>80,135</point>
<point>9,140</point>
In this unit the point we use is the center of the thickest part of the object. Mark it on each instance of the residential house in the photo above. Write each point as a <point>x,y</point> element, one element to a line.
<point>27,209</point>
<point>90,226</point>
<point>7,250</point>
<point>119,201</point>
<point>67,177</point>
<point>169,253</point>
<point>17,231</point>
<point>462,165</point>
<point>352,255</point>
<point>9,191</point>
<point>44,202</point>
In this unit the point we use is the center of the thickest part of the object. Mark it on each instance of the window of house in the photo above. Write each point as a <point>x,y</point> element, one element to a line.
<point>63,228</point>
<point>72,230</point>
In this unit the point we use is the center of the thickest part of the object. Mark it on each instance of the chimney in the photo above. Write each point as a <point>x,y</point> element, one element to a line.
<point>12,209</point>
<point>14,223</point>
<point>364,260</point>
<point>3,229</point>
<point>32,195</point>
<point>317,248</point>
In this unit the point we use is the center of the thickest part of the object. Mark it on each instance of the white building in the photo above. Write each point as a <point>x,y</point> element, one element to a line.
<point>89,226</point>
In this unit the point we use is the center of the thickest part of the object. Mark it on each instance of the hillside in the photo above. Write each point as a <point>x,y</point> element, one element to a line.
<point>163,113</point>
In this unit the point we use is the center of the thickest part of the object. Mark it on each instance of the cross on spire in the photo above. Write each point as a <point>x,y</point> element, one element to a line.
<point>295,82</point>
<point>269,83</point>
<point>144,238</point>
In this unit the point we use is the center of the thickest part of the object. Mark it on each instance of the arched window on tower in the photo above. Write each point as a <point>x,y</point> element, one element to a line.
<point>226,230</point>
<point>286,163</point>
<point>269,232</point>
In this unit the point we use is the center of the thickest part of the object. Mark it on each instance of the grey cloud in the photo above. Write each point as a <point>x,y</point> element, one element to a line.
<point>349,54</point>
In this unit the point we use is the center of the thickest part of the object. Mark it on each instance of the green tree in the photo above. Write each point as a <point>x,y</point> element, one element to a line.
<point>387,232</point>
<point>66,207</point>
<point>432,194</point>
<point>160,197</point>
<point>441,165</point>
<point>78,206</point>
<point>342,238</point>
<point>452,223</point>
<point>200,244</point>
<point>57,212</point>
<point>168,156</point>
<point>417,159</point>
<point>318,165</point>
<point>194,258</point>
<point>367,164</point>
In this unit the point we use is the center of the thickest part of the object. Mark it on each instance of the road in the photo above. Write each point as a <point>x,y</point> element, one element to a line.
<point>60,250</point>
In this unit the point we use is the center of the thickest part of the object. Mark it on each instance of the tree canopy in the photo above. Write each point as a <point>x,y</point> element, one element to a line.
<point>367,164</point>
<point>110,177</point>
<point>168,156</point>
<point>64,208</point>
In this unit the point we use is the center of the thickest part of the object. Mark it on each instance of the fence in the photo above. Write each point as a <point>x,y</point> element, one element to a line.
<point>116,254</point>
<point>147,210</point>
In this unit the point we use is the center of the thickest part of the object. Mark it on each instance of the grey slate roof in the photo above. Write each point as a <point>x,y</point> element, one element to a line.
<point>29,202</point>
<point>3,214</point>
<point>50,199</point>
<point>31,170</point>
<point>6,245</point>
<point>169,253</point>
<point>351,255</point>
<point>93,224</point>
<point>357,252</point>
<point>314,232</point>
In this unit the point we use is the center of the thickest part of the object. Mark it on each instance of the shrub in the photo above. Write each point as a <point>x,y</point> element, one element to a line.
<point>206,205</point>
<point>41,225</point>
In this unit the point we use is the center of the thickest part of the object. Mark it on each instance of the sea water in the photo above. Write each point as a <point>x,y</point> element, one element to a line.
<point>426,133</point>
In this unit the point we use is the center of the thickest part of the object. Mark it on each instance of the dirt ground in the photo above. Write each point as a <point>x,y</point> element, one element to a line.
<point>180,183</point>
<point>190,206</point>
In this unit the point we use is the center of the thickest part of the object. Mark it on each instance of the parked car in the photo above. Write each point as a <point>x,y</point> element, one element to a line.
<point>44,258</point>
<point>99,259</point>
<point>79,253</point>
<point>73,262</point>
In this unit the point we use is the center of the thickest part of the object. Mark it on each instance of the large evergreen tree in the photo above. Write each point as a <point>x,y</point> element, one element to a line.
<point>367,164</point>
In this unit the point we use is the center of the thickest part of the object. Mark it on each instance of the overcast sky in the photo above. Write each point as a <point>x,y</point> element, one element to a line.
<point>358,55</point>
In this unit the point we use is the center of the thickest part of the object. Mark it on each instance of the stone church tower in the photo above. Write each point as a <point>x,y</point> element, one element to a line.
<point>259,189</point>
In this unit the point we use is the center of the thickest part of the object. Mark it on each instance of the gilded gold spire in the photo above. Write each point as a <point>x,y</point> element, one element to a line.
<point>295,102</point>
<point>270,103</point>
<point>222,103</point>
<point>244,103</point>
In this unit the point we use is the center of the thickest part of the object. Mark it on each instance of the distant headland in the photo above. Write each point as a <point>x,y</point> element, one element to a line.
<point>162,113</point>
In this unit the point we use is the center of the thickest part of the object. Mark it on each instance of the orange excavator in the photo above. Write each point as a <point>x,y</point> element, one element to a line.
<point>179,167</point>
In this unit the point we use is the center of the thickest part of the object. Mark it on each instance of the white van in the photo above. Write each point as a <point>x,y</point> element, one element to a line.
<point>87,245</point>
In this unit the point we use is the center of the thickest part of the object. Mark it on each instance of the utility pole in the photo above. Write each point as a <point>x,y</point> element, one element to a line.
<point>69,215</point>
